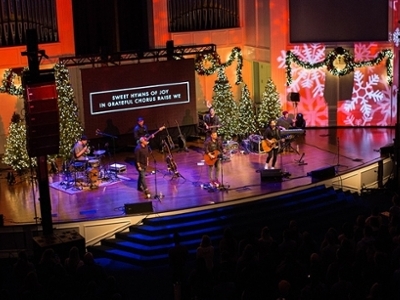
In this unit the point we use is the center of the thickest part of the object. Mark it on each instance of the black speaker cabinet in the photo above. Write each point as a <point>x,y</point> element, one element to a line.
<point>274,175</point>
<point>41,114</point>
<point>295,97</point>
<point>323,173</point>
<point>138,208</point>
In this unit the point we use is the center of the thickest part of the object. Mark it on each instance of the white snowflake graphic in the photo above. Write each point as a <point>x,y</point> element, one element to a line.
<point>364,97</point>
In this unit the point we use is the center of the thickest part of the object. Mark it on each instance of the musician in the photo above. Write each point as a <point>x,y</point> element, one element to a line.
<point>211,121</point>
<point>142,153</point>
<point>273,137</point>
<point>140,130</point>
<point>285,121</point>
<point>300,122</point>
<point>213,144</point>
<point>81,149</point>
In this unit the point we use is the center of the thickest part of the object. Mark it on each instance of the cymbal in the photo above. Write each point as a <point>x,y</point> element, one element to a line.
<point>99,152</point>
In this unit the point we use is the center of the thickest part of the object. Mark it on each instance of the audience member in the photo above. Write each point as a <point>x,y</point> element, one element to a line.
<point>206,251</point>
<point>178,256</point>
<point>228,244</point>
<point>22,268</point>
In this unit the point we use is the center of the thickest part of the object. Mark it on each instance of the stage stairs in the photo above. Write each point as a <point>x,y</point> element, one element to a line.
<point>315,209</point>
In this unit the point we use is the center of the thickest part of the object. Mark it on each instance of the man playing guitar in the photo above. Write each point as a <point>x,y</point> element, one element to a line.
<point>140,130</point>
<point>213,151</point>
<point>211,121</point>
<point>272,138</point>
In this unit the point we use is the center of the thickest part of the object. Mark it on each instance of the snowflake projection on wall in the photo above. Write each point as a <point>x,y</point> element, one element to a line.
<point>372,102</point>
<point>368,105</point>
<point>311,83</point>
<point>373,99</point>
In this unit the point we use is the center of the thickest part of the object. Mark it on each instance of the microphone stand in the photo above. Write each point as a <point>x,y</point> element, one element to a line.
<point>113,137</point>
<point>222,186</point>
<point>156,196</point>
<point>338,156</point>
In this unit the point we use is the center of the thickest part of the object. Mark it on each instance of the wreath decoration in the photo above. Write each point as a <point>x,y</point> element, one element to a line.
<point>8,86</point>
<point>348,59</point>
<point>215,61</point>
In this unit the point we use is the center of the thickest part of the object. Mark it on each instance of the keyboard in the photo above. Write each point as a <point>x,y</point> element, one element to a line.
<point>293,131</point>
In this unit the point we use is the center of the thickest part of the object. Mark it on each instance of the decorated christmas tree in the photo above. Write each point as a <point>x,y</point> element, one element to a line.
<point>225,106</point>
<point>247,120</point>
<point>15,154</point>
<point>270,107</point>
<point>70,126</point>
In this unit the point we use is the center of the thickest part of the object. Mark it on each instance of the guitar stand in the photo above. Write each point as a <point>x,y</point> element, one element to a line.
<point>177,175</point>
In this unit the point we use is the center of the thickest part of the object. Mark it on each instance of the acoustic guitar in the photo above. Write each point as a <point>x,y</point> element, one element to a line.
<point>267,146</point>
<point>181,138</point>
<point>211,161</point>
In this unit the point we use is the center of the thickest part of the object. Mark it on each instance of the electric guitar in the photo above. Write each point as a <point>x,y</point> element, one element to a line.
<point>211,161</point>
<point>150,136</point>
<point>181,138</point>
<point>211,126</point>
<point>267,146</point>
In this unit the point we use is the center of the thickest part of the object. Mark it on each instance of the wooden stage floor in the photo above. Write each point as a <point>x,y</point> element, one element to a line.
<point>356,147</point>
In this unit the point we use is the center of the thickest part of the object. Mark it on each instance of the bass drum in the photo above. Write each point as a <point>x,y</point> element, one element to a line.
<point>92,175</point>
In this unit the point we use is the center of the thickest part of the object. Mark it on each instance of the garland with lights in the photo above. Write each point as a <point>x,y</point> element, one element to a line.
<point>215,61</point>
<point>349,67</point>
<point>8,86</point>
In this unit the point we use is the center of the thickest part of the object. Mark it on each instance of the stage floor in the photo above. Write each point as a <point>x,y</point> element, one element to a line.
<point>344,148</point>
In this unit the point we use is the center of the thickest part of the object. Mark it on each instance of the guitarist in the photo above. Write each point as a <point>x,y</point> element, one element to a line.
<point>272,137</point>
<point>213,150</point>
<point>211,121</point>
<point>140,130</point>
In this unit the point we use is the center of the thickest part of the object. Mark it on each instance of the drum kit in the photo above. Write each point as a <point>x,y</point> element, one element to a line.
<point>88,173</point>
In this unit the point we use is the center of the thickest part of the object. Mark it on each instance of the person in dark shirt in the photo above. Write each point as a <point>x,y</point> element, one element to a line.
<point>211,121</point>
<point>213,150</point>
<point>272,138</point>
<point>140,130</point>
<point>285,122</point>
<point>142,153</point>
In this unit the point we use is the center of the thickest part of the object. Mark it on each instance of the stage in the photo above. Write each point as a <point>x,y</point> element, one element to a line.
<point>342,150</point>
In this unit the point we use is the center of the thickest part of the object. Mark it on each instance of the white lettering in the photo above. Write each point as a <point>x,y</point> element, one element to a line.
<point>163,92</point>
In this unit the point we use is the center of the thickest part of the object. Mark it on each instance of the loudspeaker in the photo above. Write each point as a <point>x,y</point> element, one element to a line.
<point>170,49</point>
<point>138,208</point>
<point>323,173</point>
<point>274,175</point>
<point>387,150</point>
<point>295,97</point>
<point>41,114</point>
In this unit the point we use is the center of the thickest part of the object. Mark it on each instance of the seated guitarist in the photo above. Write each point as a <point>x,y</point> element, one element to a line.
<point>211,121</point>
<point>272,138</point>
<point>213,151</point>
